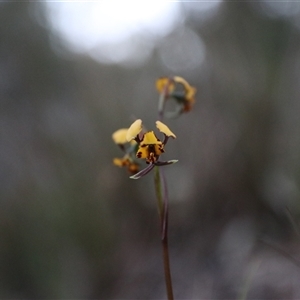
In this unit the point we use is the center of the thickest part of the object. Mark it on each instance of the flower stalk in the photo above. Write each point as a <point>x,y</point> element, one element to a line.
<point>162,204</point>
<point>138,144</point>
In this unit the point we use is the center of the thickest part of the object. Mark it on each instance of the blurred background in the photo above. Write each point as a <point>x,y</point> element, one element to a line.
<point>73,226</point>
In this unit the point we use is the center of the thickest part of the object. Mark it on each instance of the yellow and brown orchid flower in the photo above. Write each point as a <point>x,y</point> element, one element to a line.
<point>180,90</point>
<point>129,148</point>
<point>150,147</point>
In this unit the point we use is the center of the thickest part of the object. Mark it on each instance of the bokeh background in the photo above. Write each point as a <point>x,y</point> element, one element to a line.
<point>73,226</point>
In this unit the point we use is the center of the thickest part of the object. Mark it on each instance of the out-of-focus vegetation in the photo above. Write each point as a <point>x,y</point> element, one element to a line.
<point>75,226</point>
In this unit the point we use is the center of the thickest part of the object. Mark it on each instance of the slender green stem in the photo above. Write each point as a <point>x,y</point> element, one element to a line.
<point>158,191</point>
<point>162,203</point>
<point>167,269</point>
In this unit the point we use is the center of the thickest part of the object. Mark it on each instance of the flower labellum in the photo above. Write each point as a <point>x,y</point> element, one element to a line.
<point>150,147</point>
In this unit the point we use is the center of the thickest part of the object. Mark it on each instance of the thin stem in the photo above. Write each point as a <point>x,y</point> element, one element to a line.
<point>167,269</point>
<point>165,212</point>
<point>161,105</point>
<point>162,201</point>
<point>162,99</point>
<point>157,183</point>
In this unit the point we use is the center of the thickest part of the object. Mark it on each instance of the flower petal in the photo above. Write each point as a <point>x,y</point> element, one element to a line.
<point>119,136</point>
<point>190,91</point>
<point>142,152</point>
<point>132,167</point>
<point>120,162</point>
<point>163,82</point>
<point>135,128</point>
<point>143,172</point>
<point>165,129</point>
<point>150,139</point>
<point>165,163</point>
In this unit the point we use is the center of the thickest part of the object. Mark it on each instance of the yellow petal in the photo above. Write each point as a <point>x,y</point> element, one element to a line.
<point>142,152</point>
<point>126,162</point>
<point>150,152</point>
<point>119,136</point>
<point>135,128</point>
<point>120,162</point>
<point>180,80</point>
<point>190,91</point>
<point>150,139</point>
<point>165,129</point>
<point>159,149</point>
<point>162,82</point>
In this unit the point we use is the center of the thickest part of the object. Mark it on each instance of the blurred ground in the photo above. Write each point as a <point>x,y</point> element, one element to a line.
<point>74,226</point>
